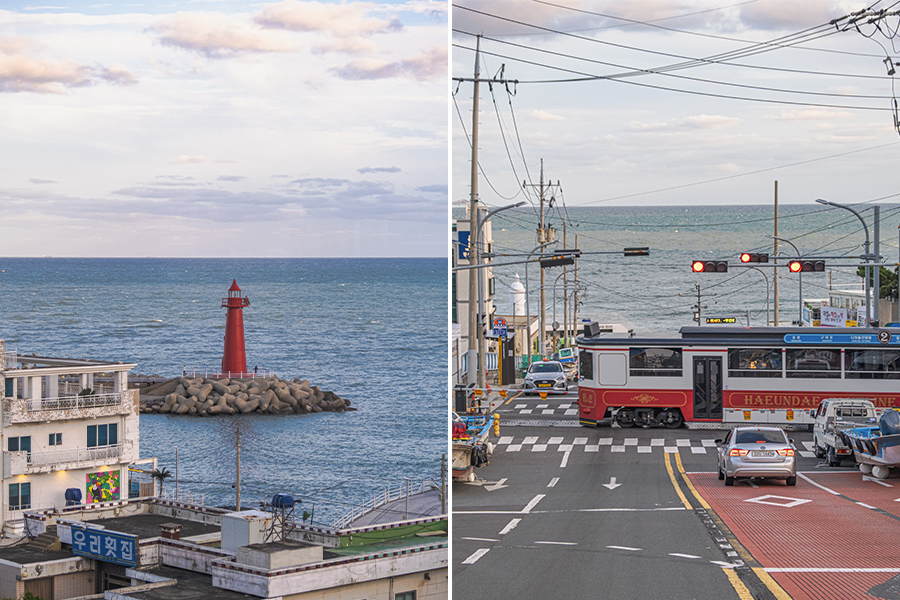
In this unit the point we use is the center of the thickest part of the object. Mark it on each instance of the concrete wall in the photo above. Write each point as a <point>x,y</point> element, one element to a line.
<point>73,585</point>
<point>436,588</point>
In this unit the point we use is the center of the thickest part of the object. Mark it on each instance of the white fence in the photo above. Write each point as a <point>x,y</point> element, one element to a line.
<point>389,494</point>
<point>74,402</point>
<point>75,455</point>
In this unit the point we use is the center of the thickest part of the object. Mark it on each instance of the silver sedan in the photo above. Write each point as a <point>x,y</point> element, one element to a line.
<point>545,376</point>
<point>763,452</point>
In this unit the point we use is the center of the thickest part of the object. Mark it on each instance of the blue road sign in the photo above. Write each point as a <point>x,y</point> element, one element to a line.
<point>841,338</point>
<point>500,328</point>
<point>463,237</point>
<point>107,546</point>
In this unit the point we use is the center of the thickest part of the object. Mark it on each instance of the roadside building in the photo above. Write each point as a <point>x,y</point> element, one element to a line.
<point>153,549</point>
<point>69,432</point>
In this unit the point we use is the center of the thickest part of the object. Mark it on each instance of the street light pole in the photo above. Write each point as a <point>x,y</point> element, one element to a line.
<point>866,229</point>
<point>800,274</point>
<point>555,281</point>
<point>767,292</point>
<point>527,293</point>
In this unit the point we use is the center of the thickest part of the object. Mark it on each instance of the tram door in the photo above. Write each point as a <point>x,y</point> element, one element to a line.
<point>707,387</point>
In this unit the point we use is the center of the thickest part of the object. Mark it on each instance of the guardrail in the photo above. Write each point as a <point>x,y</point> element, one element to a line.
<point>75,455</point>
<point>211,373</point>
<point>73,402</point>
<point>389,494</point>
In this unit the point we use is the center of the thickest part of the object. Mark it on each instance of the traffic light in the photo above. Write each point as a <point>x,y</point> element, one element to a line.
<point>754,257</point>
<point>558,261</point>
<point>709,266</point>
<point>802,266</point>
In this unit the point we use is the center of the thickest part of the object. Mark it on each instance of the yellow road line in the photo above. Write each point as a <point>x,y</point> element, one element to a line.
<point>738,585</point>
<point>677,487</point>
<point>690,485</point>
<point>770,583</point>
<point>513,398</point>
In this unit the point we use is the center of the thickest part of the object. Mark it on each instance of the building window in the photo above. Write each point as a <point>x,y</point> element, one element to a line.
<point>492,287</point>
<point>19,496</point>
<point>55,439</point>
<point>405,595</point>
<point>20,444</point>
<point>102,435</point>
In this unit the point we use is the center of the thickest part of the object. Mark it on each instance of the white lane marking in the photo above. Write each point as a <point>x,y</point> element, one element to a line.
<point>631,441</point>
<point>644,449</point>
<point>514,448</point>
<point>555,440</point>
<point>532,504</point>
<point>473,558</point>
<point>580,441</point>
<point>617,448</point>
<point>525,411</point>
<point>806,454</point>
<point>558,543</point>
<point>565,459</point>
<point>878,481</point>
<point>863,504</point>
<point>830,570</point>
<point>821,487</point>
<point>571,412</point>
<point>566,447</point>
<point>657,442</point>
<point>506,439</point>
<point>479,539</point>
<point>530,440</point>
<point>553,482</point>
<point>612,484</point>
<point>773,500</point>
<point>510,526</point>
<point>493,487</point>
<point>726,565</point>
<point>547,411</point>
<point>539,448</point>
<point>683,555</point>
<point>698,450</point>
<point>682,442</point>
<point>628,548</point>
<point>708,444</point>
<point>604,442</point>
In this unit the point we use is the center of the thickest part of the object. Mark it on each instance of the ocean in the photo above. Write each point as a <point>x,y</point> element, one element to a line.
<point>371,330</point>
<point>654,295</point>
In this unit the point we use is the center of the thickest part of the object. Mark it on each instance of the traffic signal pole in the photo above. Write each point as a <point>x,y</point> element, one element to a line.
<point>475,372</point>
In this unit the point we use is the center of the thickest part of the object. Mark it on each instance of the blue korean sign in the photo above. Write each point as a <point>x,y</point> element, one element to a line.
<point>500,327</point>
<point>882,337</point>
<point>463,237</point>
<point>108,546</point>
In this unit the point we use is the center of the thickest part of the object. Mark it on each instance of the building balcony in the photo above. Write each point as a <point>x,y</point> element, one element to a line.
<point>34,410</point>
<point>27,463</point>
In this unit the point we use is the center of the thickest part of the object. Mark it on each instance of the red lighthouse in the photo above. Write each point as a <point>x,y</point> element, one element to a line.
<point>234,359</point>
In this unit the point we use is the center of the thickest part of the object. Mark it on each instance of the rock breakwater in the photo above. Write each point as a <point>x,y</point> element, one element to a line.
<point>208,397</point>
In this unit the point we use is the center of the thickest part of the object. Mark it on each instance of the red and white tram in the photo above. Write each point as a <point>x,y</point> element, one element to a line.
<point>734,374</point>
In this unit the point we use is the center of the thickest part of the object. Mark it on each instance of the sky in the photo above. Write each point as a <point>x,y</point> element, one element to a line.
<point>227,128</point>
<point>766,90</point>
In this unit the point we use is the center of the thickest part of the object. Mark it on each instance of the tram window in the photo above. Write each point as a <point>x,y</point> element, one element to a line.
<point>586,364</point>
<point>814,363</point>
<point>872,364</point>
<point>656,362</point>
<point>754,362</point>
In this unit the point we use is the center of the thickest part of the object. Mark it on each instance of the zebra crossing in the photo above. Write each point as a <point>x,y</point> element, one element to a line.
<point>545,409</point>
<point>641,446</point>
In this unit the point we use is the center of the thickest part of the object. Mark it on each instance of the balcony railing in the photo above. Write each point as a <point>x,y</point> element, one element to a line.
<point>73,402</point>
<point>30,462</point>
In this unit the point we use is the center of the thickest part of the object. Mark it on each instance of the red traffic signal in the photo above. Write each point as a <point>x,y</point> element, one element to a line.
<point>709,266</point>
<point>754,257</point>
<point>801,266</point>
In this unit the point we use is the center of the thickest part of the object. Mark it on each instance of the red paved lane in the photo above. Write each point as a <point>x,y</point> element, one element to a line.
<point>806,527</point>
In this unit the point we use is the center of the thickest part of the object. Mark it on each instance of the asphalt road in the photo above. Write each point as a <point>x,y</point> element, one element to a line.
<point>569,512</point>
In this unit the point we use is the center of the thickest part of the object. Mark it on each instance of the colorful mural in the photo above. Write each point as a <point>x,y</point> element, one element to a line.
<point>102,486</point>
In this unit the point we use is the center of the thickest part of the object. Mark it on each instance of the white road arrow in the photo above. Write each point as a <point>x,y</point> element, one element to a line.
<point>496,486</point>
<point>612,484</point>
<point>878,481</point>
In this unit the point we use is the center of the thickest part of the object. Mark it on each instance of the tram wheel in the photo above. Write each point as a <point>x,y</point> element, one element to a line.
<point>671,418</point>
<point>625,418</point>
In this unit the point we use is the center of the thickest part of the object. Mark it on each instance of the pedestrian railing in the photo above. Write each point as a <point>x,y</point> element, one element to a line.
<point>75,402</point>
<point>382,497</point>
<point>211,373</point>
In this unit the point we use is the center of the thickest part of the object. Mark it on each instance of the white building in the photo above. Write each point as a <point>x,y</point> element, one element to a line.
<point>459,300</point>
<point>65,424</point>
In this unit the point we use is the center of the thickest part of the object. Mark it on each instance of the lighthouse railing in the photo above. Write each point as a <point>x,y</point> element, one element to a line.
<point>213,373</point>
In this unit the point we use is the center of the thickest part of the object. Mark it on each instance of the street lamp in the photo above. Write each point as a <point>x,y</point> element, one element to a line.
<point>528,305</point>
<point>474,250</point>
<point>767,292</point>
<point>800,275</point>
<point>565,327</point>
<point>866,229</point>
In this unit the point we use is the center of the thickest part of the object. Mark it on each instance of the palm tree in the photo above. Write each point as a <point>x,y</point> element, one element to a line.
<point>161,475</point>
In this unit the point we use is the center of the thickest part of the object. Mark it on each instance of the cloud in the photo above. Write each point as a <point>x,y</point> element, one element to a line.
<point>218,36</point>
<point>813,114</point>
<point>231,178</point>
<point>41,181</point>
<point>441,188</point>
<point>184,159</point>
<point>427,65</point>
<point>795,15</point>
<point>117,74</point>
<point>702,122</point>
<point>22,72</point>
<point>545,116</point>
<point>379,170</point>
<point>340,20</point>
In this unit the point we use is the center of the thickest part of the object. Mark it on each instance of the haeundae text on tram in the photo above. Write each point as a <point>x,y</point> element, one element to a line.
<point>734,374</point>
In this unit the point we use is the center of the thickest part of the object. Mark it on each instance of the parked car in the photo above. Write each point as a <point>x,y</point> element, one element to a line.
<point>763,452</point>
<point>546,375</point>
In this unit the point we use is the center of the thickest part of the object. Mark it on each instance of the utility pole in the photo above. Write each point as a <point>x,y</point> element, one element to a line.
<point>698,308</point>
<point>775,254</point>
<point>565,292</point>
<point>545,236</point>
<point>474,352</point>
<point>176,473</point>
<point>575,296</point>
<point>876,275</point>
<point>238,466</point>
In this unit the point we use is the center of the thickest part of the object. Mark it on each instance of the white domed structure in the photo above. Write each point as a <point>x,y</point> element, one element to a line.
<point>517,297</point>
